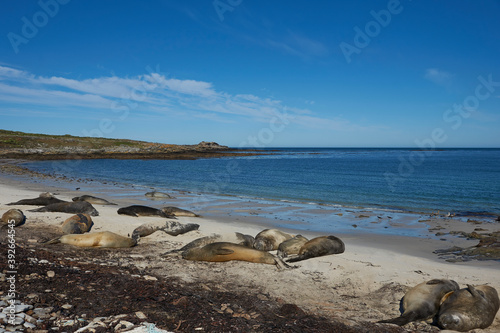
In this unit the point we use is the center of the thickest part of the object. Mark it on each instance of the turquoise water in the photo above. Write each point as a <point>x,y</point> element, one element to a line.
<point>462,181</point>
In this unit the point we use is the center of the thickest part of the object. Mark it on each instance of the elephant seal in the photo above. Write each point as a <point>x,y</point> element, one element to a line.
<point>138,210</point>
<point>319,246</point>
<point>43,199</point>
<point>78,207</point>
<point>15,215</point>
<point>172,228</point>
<point>270,239</point>
<point>95,239</point>
<point>225,251</point>
<point>291,246</point>
<point>234,237</point>
<point>77,224</point>
<point>178,212</point>
<point>469,308</point>
<point>422,301</point>
<point>159,195</point>
<point>93,200</point>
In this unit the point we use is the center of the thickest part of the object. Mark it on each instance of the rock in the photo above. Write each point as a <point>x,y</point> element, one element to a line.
<point>51,274</point>
<point>140,315</point>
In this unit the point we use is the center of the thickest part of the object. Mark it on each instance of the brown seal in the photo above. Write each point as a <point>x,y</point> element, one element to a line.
<point>422,301</point>
<point>270,239</point>
<point>172,228</point>
<point>469,308</point>
<point>77,224</point>
<point>93,200</point>
<point>291,246</point>
<point>43,199</point>
<point>319,246</point>
<point>139,210</point>
<point>15,216</point>
<point>225,251</point>
<point>175,211</point>
<point>95,239</point>
<point>233,237</point>
<point>77,207</point>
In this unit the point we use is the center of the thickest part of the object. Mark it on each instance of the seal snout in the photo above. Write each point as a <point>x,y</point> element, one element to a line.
<point>449,321</point>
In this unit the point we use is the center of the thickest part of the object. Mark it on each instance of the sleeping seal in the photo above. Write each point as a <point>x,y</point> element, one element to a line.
<point>95,239</point>
<point>15,216</point>
<point>178,212</point>
<point>224,251</point>
<point>138,210</point>
<point>469,308</point>
<point>159,195</point>
<point>422,301</point>
<point>77,224</point>
<point>172,228</point>
<point>291,246</point>
<point>43,199</point>
<point>93,200</point>
<point>270,239</point>
<point>234,237</point>
<point>319,246</point>
<point>78,207</point>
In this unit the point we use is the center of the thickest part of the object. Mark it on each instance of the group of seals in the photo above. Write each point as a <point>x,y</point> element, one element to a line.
<point>237,246</point>
<point>453,308</point>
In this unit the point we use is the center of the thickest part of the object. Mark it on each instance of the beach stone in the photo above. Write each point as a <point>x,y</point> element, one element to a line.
<point>140,315</point>
<point>51,274</point>
<point>29,325</point>
<point>67,306</point>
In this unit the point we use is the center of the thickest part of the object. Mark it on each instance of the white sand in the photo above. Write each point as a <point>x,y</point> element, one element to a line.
<point>364,283</point>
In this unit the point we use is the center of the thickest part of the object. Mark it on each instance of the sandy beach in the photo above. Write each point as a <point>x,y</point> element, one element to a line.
<point>363,285</point>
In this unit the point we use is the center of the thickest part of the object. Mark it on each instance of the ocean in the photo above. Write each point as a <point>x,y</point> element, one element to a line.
<point>464,182</point>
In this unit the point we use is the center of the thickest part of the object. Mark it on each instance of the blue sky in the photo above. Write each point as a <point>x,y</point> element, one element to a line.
<point>255,73</point>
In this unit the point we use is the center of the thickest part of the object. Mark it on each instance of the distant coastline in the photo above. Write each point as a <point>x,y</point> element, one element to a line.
<point>31,146</point>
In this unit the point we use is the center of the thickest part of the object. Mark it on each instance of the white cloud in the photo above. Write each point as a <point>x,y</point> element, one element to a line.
<point>438,76</point>
<point>150,95</point>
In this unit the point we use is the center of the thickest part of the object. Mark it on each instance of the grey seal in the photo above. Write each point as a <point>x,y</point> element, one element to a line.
<point>43,199</point>
<point>78,207</point>
<point>172,228</point>
<point>270,239</point>
<point>469,308</point>
<point>95,239</point>
<point>77,224</point>
<point>14,215</point>
<point>233,237</point>
<point>422,301</point>
<point>175,211</point>
<point>291,246</point>
<point>319,246</point>
<point>159,195</point>
<point>225,251</point>
<point>93,200</point>
<point>139,210</point>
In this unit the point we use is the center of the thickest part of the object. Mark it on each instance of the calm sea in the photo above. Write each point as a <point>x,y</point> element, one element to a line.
<point>463,181</point>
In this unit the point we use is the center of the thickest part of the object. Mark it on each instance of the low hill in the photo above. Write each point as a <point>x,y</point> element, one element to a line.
<point>42,147</point>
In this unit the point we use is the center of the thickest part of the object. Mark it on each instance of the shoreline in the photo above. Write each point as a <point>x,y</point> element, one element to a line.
<point>357,288</point>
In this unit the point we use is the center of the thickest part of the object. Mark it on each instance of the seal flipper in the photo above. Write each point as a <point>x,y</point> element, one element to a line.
<point>223,251</point>
<point>475,292</point>
<point>300,257</point>
<point>402,320</point>
<point>53,241</point>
